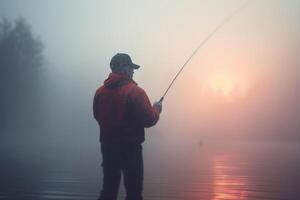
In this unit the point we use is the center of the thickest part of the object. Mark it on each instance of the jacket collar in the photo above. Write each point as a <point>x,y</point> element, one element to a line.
<point>116,80</point>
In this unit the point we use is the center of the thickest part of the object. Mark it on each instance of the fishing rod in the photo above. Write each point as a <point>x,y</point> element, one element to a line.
<point>225,21</point>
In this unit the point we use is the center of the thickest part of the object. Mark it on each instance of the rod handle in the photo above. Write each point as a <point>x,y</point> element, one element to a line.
<point>161,99</point>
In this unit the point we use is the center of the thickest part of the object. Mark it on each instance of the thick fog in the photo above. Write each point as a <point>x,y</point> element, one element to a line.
<point>244,84</point>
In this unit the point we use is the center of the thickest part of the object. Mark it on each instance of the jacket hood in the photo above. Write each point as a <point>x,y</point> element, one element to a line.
<point>116,80</point>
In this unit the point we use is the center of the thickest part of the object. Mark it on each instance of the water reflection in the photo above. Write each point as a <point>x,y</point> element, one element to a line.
<point>216,173</point>
<point>228,183</point>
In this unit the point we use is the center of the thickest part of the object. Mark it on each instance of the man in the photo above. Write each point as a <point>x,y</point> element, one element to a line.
<point>123,110</point>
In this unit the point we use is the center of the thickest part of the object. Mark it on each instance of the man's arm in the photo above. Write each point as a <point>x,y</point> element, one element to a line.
<point>148,114</point>
<point>95,105</point>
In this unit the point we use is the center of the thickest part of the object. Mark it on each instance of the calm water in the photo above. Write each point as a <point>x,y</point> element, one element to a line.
<point>186,171</point>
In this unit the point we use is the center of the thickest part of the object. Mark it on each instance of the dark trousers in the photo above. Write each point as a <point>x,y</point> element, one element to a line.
<point>126,160</point>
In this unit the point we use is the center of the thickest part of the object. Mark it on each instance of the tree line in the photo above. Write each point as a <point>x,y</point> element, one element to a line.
<point>21,61</point>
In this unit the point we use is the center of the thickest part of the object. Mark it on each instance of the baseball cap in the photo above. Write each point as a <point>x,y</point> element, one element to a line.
<point>122,59</point>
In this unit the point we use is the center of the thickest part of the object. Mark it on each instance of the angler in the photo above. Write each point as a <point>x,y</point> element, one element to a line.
<point>123,110</point>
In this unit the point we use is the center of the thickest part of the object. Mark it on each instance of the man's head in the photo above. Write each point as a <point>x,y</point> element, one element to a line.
<point>121,63</point>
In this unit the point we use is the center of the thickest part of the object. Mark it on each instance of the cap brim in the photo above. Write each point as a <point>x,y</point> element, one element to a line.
<point>134,66</point>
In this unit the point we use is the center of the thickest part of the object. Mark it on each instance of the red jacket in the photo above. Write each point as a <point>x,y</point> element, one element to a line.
<point>123,110</point>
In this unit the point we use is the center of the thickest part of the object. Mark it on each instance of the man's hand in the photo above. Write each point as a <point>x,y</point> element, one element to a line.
<point>158,104</point>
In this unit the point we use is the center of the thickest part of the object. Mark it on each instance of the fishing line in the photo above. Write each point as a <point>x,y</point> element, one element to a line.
<point>225,21</point>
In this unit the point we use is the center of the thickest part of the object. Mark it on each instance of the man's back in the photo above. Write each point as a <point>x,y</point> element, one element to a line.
<point>123,110</point>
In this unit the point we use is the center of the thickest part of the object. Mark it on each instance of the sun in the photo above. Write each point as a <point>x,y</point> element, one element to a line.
<point>223,84</point>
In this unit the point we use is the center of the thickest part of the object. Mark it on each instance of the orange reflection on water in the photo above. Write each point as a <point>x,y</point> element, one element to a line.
<point>228,183</point>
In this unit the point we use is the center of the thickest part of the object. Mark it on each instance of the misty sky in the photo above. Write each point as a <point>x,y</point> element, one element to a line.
<point>256,52</point>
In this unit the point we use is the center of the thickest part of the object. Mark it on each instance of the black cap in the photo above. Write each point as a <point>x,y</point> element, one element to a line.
<point>122,59</point>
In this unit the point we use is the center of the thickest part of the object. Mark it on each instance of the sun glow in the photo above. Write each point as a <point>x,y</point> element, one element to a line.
<point>223,84</point>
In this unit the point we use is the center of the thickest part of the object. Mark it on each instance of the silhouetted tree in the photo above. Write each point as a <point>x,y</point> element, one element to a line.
<point>21,57</point>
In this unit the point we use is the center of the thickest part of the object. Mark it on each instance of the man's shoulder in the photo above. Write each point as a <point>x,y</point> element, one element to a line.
<point>99,90</point>
<point>135,89</point>
<point>137,94</point>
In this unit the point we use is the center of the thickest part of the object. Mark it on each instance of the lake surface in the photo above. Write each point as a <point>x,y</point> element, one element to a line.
<point>189,171</point>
